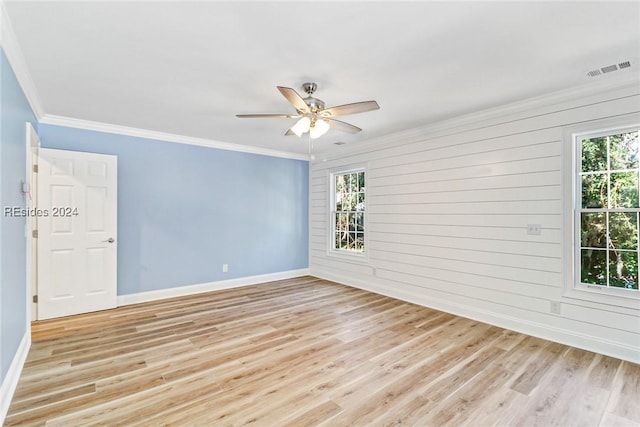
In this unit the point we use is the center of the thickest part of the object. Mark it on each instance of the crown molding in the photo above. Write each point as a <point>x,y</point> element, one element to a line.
<point>9,44</point>
<point>629,79</point>
<point>51,119</point>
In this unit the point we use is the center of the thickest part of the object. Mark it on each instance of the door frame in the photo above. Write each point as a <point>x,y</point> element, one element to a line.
<point>30,191</point>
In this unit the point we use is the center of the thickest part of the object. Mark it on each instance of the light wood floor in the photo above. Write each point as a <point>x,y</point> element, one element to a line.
<point>310,352</point>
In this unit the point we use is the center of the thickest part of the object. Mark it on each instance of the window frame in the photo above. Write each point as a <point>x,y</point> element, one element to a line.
<point>573,288</point>
<point>331,249</point>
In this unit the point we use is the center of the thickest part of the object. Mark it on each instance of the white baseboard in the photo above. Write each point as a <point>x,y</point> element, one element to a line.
<point>548,332</point>
<point>208,287</point>
<point>8,387</point>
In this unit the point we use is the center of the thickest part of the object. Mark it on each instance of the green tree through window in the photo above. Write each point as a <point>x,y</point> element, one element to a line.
<point>348,211</point>
<point>608,211</point>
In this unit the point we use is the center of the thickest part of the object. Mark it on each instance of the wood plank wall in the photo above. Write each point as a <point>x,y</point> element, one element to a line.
<point>447,211</point>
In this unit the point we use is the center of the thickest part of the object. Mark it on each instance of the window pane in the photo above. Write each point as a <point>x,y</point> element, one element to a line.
<point>593,267</point>
<point>359,241</point>
<point>623,269</point>
<point>594,154</point>
<point>624,190</point>
<point>623,230</point>
<point>338,201</point>
<point>359,222</point>
<point>594,191</point>
<point>623,150</point>
<point>353,182</point>
<point>351,236</point>
<point>361,181</point>
<point>352,222</point>
<point>593,230</point>
<point>344,240</point>
<point>360,205</point>
<point>352,202</point>
<point>340,184</point>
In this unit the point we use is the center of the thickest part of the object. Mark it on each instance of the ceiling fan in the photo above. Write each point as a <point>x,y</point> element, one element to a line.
<point>312,114</point>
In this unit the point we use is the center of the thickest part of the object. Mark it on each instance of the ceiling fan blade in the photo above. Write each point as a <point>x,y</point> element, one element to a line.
<point>262,116</point>
<point>356,107</point>
<point>289,132</point>
<point>342,126</point>
<point>294,99</point>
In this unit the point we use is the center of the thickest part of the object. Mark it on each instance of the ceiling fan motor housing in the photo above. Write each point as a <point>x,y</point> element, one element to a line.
<point>309,88</point>
<point>314,104</point>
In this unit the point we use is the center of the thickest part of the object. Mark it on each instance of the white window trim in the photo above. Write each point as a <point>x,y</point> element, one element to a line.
<point>572,289</point>
<point>331,250</point>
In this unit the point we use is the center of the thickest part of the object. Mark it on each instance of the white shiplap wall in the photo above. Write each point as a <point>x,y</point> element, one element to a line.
<point>448,207</point>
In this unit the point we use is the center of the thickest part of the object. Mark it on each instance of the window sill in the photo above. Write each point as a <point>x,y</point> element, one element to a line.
<point>361,258</point>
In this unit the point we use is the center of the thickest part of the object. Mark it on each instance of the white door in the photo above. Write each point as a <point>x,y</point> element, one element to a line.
<point>77,232</point>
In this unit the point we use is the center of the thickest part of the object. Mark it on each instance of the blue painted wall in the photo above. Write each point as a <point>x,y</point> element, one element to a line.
<point>185,210</point>
<point>14,113</point>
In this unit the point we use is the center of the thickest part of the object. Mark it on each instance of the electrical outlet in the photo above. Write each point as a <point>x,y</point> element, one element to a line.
<point>534,229</point>
<point>555,307</point>
<point>225,268</point>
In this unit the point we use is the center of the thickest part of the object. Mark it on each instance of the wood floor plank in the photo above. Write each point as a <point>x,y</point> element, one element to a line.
<point>625,401</point>
<point>456,378</point>
<point>604,371</point>
<point>320,413</point>
<point>459,407</point>
<point>536,368</point>
<point>308,352</point>
<point>559,404</point>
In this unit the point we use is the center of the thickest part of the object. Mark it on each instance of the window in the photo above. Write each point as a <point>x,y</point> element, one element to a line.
<point>347,211</point>
<point>606,212</point>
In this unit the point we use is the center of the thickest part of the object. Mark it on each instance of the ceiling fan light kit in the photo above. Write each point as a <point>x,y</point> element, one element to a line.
<point>312,114</point>
<point>319,128</point>
<point>303,125</point>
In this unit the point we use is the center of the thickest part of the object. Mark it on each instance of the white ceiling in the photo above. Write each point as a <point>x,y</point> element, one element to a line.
<point>187,68</point>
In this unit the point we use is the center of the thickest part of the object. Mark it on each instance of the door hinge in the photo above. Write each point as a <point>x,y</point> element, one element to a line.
<point>35,168</point>
<point>34,234</point>
<point>35,298</point>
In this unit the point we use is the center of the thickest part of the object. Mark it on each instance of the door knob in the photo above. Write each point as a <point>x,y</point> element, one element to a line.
<point>109,240</point>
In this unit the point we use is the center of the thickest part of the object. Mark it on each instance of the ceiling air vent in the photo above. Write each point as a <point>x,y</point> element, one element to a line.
<point>609,69</point>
